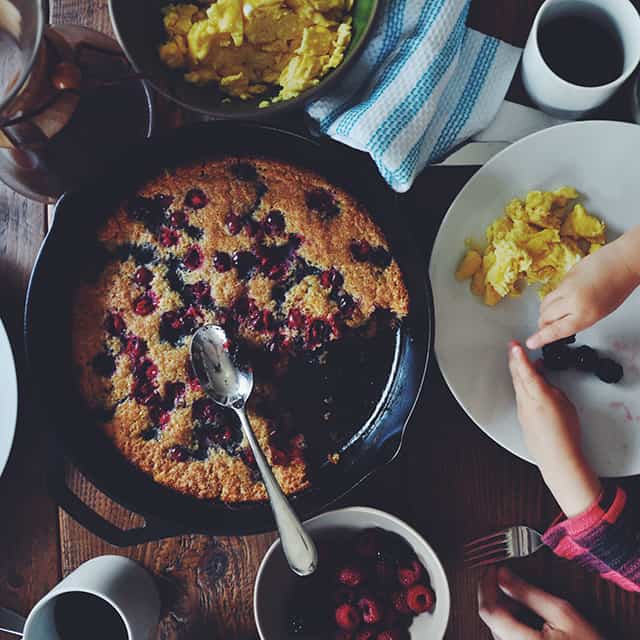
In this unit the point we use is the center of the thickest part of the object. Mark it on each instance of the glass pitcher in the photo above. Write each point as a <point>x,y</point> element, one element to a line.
<point>69,103</point>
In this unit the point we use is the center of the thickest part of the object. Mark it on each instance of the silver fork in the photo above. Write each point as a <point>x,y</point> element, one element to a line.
<point>512,542</point>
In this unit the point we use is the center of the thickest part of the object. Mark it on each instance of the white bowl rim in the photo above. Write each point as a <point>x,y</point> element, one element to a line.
<point>437,564</point>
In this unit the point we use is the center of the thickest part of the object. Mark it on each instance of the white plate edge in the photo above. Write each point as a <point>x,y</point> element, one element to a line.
<point>13,393</point>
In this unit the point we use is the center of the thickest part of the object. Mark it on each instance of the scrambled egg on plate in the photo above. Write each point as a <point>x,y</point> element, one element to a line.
<point>250,46</point>
<point>536,242</point>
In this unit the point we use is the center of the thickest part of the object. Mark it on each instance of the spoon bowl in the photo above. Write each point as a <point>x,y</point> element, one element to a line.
<point>222,378</point>
<point>229,383</point>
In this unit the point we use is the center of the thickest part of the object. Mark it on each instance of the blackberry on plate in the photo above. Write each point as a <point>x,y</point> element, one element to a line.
<point>560,358</point>
<point>586,359</point>
<point>609,370</point>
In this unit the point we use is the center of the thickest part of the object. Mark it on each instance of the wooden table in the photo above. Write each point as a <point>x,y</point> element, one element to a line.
<point>451,482</point>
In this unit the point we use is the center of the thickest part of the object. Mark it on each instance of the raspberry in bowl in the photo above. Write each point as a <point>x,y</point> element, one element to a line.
<point>377,579</point>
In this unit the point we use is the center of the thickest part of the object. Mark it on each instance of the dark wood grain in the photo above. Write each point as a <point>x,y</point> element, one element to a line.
<point>88,13</point>
<point>450,481</point>
<point>206,582</point>
<point>29,564</point>
<point>509,20</point>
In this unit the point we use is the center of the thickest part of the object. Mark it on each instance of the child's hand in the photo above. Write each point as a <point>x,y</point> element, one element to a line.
<point>500,592</point>
<point>552,433</point>
<point>591,290</point>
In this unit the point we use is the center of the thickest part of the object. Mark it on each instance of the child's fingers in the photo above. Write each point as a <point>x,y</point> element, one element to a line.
<point>515,367</point>
<point>550,299</point>
<point>539,366</point>
<point>495,614</point>
<point>524,373</point>
<point>488,588</point>
<point>503,624</point>
<point>550,333</point>
<point>548,607</point>
<point>555,311</point>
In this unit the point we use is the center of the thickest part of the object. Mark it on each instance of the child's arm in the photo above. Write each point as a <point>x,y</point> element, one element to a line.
<point>551,431</point>
<point>592,289</point>
<point>602,531</point>
<point>603,539</point>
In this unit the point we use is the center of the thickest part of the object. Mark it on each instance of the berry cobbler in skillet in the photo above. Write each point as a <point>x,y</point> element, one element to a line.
<point>298,274</point>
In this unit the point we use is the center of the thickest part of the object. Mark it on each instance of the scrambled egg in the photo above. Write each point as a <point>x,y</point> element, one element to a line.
<point>248,47</point>
<point>536,242</point>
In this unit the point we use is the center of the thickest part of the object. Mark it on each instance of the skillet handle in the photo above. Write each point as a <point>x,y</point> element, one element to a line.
<point>83,514</point>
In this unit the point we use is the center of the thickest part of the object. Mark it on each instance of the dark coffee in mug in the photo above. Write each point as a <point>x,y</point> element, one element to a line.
<point>582,48</point>
<point>83,616</point>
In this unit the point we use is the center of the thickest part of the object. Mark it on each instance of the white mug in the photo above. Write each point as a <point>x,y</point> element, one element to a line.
<point>120,582</point>
<point>555,95</point>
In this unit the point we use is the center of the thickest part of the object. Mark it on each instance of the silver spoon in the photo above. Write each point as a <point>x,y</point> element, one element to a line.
<point>230,386</point>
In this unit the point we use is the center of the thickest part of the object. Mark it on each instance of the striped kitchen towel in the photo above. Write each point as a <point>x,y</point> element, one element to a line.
<point>424,83</point>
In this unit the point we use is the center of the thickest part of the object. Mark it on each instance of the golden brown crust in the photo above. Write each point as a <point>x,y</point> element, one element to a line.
<point>325,241</point>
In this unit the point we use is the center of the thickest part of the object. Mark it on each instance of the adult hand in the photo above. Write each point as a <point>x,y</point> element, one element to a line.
<point>551,431</point>
<point>501,592</point>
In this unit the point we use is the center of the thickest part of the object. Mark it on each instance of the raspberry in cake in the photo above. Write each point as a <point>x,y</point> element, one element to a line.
<point>298,274</point>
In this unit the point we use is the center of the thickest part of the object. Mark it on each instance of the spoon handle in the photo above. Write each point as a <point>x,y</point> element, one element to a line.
<point>299,549</point>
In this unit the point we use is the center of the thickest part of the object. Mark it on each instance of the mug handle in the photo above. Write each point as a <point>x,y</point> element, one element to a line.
<point>11,622</point>
<point>152,530</point>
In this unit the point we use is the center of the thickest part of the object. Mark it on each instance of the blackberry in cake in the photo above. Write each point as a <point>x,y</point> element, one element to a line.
<point>297,273</point>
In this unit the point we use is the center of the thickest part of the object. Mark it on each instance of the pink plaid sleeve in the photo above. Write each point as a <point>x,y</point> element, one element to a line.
<point>605,538</point>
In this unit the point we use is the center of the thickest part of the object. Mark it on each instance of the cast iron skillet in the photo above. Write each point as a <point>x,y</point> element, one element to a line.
<point>139,29</point>
<point>68,254</point>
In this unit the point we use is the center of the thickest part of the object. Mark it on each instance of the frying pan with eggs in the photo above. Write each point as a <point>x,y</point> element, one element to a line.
<point>140,31</point>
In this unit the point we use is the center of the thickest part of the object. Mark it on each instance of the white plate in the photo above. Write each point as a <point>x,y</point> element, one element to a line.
<point>601,160</point>
<point>8,398</point>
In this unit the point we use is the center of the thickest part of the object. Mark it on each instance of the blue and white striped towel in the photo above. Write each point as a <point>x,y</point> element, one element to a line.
<point>424,83</point>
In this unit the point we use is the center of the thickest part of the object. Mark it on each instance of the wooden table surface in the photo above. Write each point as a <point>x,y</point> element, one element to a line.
<point>451,482</point>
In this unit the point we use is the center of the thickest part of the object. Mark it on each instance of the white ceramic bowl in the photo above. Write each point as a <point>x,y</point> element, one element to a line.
<point>274,580</point>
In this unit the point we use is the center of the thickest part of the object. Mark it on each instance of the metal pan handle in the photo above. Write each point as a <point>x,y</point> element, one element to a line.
<point>83,514</point>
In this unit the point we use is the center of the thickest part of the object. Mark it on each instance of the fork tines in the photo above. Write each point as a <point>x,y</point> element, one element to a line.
<point>488,550</point>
